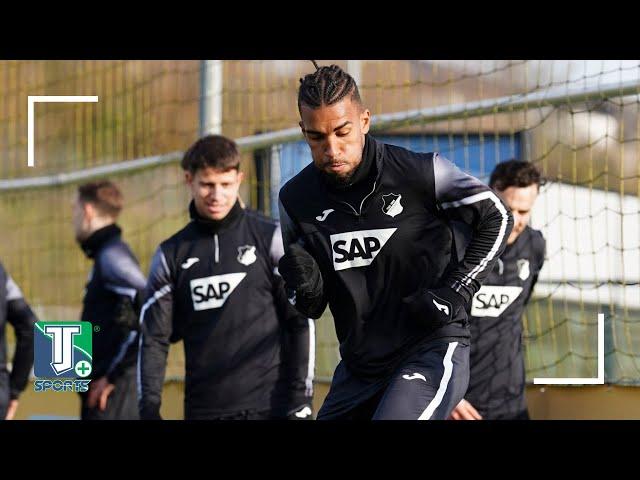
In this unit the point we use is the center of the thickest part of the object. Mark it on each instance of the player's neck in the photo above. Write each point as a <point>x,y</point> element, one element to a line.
<point>513,240</point>
<point>214,226</point>
<point>92,244</point>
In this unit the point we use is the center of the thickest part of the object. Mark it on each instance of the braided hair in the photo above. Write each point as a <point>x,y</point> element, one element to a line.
<point>327,86</point>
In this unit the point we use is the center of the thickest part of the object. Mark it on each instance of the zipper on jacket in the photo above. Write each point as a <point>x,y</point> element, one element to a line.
<point>356,213</point>
<point>371,192</point>
<point>216,254</point>
<point>349,205</point>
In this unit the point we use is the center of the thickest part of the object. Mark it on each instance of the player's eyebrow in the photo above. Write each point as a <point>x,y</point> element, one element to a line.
<point>348,122</point>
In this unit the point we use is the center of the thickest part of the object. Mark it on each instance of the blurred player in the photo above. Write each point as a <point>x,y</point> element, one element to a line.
<point>497,385</point>
<point>15,310</point>
<point>110,299</point>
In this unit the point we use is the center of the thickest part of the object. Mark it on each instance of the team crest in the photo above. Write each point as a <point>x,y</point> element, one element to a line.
<point>523,269</point>
<point>247,254</point>
<point>391,204</point>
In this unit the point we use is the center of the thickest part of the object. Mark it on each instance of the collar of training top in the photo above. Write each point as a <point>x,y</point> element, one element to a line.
<point>98,238</point>
<point>366,177</point>
<point>214,226</point>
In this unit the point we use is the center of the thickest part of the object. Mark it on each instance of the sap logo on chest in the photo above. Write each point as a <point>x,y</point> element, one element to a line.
<point>491,301</point>
<point>212,292</point>
<point>358,249</point>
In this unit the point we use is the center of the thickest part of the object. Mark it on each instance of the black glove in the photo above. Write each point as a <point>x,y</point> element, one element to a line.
<point>127,313</point>
<point>302,275</point>
<point>436,307</point>
<point>150,412</point>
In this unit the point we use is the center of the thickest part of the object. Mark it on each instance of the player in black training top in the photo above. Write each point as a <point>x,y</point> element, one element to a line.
<point>496,388</point>
<point>15,310</point>
<point>366,230</point>
<point>110,303</point>
<point>215,285</point>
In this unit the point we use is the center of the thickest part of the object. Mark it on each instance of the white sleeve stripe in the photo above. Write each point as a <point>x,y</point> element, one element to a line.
<point>129,292</point>
<point>13,291</point>
<point>138,369</point>
<point>468,200</point>
<point>156,296</point>
<point>123,349</point>
<point>276,249</point>
<point>503,228</point>
<point>164,263</point>
<point>312,358</point>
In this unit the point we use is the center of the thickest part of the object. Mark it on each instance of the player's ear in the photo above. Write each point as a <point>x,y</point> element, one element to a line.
<point>188,177</point>
<point>302,128</point>
<point>365,120</point>
<point>240,177</point>
<point>89,211</point>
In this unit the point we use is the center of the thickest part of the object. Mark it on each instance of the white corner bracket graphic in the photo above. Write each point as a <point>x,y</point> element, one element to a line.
<point>582,381</point>
<point>32,99</point>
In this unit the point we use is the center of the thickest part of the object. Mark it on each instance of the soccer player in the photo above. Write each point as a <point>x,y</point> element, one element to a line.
<point>366,231</point>
<point>215,285</point>
<point>496,388</point>
<point>111,295</point>
<point>15,310</point>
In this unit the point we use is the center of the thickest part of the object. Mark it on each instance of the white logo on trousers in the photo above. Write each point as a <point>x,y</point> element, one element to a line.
<point>414,376</point>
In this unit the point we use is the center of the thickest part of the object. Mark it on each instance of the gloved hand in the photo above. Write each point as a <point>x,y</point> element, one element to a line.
<point>300,271</point>
<point>436,307</point>
<point>150,412</point>
<point>127,313</point>
<point>302,275</point>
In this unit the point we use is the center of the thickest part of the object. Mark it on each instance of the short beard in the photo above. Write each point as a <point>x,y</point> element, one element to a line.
<point>339,181</point>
